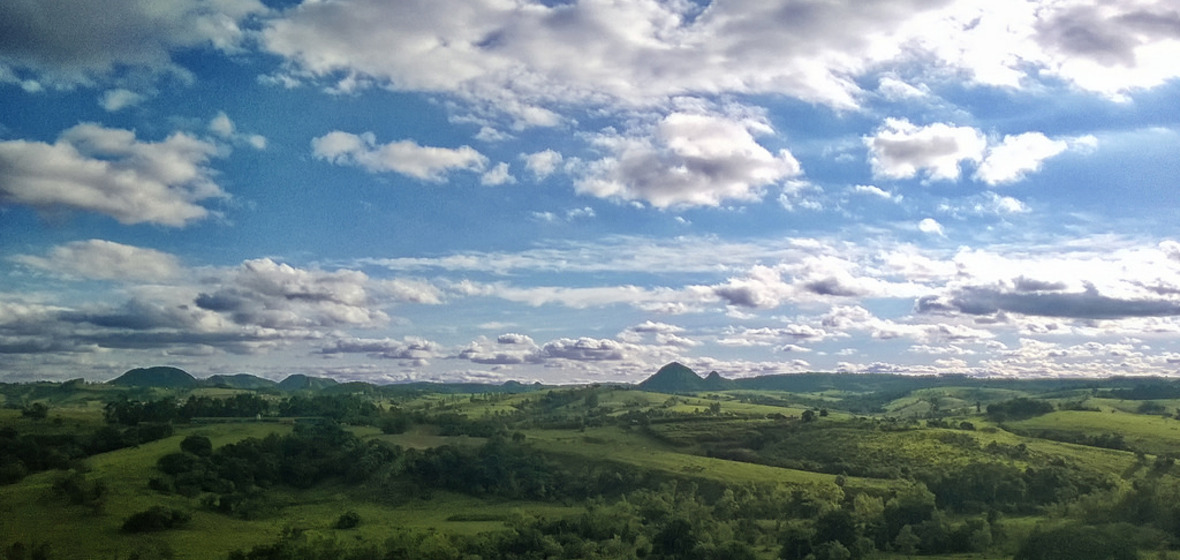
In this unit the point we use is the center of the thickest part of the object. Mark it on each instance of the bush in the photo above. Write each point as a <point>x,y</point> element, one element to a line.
<point>348,520</point>
<point>197,445</point>
<point>35,411</point>
<point>1077,542</point>
<point>155,518</point>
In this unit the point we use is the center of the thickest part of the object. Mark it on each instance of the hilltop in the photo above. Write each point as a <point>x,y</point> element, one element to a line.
<point>679,378</point>
<point>159,376</point>
<point>300,382</point>
<point>240,381</point>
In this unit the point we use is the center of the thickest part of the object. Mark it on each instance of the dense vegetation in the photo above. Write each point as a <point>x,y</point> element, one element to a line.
<point>864,467</point>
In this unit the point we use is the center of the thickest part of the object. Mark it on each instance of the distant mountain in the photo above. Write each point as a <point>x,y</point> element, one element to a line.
<point>300,382</point>
<point>239,381</point>
<point>714,382</point>
<point>675,378</point>
<point>159,376</point>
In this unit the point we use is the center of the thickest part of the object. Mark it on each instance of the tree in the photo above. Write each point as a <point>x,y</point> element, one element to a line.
<point>155,518</point>
<point>906,542</point>
<point>1078,542</point>
<point>35,411</point>
<point>197,445</point>
<point>808,415</point>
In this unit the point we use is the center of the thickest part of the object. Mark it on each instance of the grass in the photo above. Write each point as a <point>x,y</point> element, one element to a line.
<point>420,437</point>
<point>1149,434</point>
<point>29,511</point>
<point>610,444</point>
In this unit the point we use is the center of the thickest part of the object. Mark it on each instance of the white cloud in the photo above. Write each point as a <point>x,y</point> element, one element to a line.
<point>106,260</point>
<point>414,349</point>
<point>873,190</point>
<point>989,204</point>
<point>490,134</point>
<point>73,42</point>
<point>119,99</point>
<point>507,349</point>
<point>268,294</point>
<point>931,226</point>
<point>222,126</point>
<point>542,164</point>
<point>1016,156</point>
<point>497,175</point>
<point>520,57</point>
<point>583,349</point>
<point>689,160</point>
<point>902,150</point>
<point>107,170</point>
<point>895,89</point>
<point>405,157</point>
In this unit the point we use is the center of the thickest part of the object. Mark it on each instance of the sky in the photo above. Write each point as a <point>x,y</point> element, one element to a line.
<point>581,191</point>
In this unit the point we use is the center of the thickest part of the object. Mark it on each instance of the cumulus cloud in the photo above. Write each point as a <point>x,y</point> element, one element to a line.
<point>1111,49</point>
<point>568,216</point>
<point>875,191</point>
<point>106,260</point>
<point>414,349</point>
<point>930,226</point>
<point>902,150</point>
<point>268,294</point>
<point>497,175</point>
<point>542,164</point>
<point>688,160</point>
<point>894,89</point>
<point>110,171</point>
<point>1016,156</point>
<point>506,349</point>
<point>119,99</point>
<point>984,204</point>
<point>522,58</point>
<point>1089,304</point>
<point>583,349</point>
<point>763,288</point>
<point>406,157</point>
<point>661,334</point>
<point>76,42</point>
<point>222,126</point>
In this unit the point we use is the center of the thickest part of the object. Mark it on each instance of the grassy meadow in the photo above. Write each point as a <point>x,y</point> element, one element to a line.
<point>586,472</point>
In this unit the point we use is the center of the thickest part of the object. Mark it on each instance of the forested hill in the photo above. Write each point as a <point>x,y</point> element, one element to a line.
<point>159,376</point>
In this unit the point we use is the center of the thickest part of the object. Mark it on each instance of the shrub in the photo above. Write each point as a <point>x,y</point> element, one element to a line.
<point>197,445</point>
<point>348,520</point>
<point>155,518</point>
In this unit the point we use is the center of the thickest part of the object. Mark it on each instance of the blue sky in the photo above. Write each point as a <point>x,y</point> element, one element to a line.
<point>583,191</point>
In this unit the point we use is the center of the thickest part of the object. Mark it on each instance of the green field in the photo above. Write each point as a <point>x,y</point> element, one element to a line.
<point>599,472</point>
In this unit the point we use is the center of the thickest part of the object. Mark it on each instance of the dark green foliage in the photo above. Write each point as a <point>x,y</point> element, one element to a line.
<point>1108,440</point>
<point>1078,542</point>
<point>348,520</point>
<point>394,423</point>
<point>300,382</point>
<point>35,411</point>
<point>20,551</point>
<point>836,525</point>
<point>160,376</point>
<point>240,381</point>
<point>155,518</point>
<point>78,490</point>
<point>676,378</point>
<point>340,408</point>
<point>241,405</point>
<point>197,445</point>
<point>132,412</point>
<point>675,540</point>
<point>1018,409</point>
